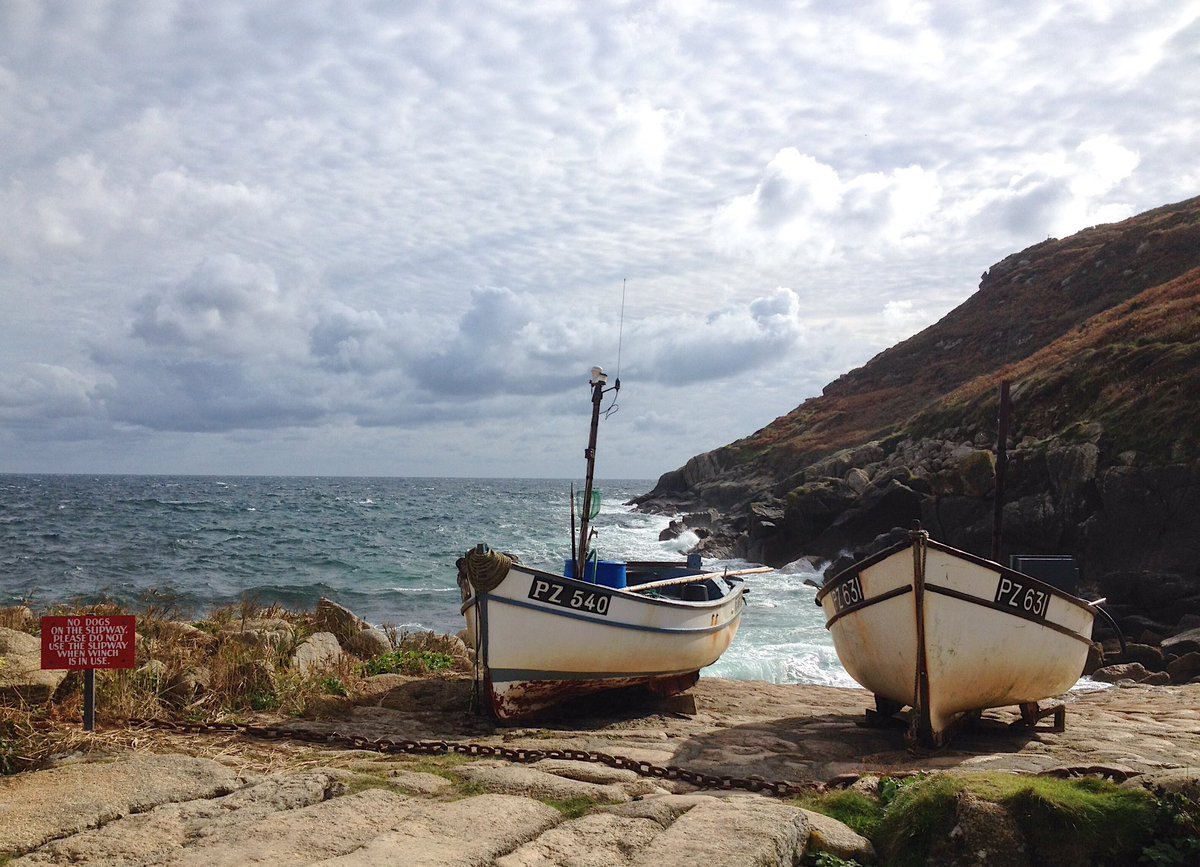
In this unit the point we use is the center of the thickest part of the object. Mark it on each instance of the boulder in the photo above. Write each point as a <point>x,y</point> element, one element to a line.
<point>878,511</point>
<point>673,530</point>
<point>827,834</point>
<point>1134,671</point>
<point>22,678</point>
<point>260,632</point>
<point>369,643</point>
<point>1183,643</point>
<point>858,481</point>
<point>342,622</point>
<point>983,833</point>
<point>1148,656</point>
<point>18,617</point>
<point>1183,668</point>
<point>185,633</point>
<point>186,686</point>
<point>319,652</point>
<point>969,473</point>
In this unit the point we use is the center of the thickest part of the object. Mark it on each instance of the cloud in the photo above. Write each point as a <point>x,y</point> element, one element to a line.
<point>226,308</point>
<point>640,138</point>
<point>37,393</point>
<point>803,207</point>
<point>720,345</point>
<point>80,205</point>
<point>1057,193</point>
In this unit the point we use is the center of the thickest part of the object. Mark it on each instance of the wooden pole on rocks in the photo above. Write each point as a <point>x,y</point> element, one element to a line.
<point>1001,469</point>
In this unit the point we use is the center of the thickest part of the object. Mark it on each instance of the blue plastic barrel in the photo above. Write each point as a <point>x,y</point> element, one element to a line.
<point>611,573</point>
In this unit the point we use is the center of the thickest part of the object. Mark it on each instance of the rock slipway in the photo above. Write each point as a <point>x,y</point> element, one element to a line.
<point>220,800</point>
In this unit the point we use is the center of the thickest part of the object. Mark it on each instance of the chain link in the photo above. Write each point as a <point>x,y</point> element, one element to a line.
<point>522,755</point>
<point>517,755</point>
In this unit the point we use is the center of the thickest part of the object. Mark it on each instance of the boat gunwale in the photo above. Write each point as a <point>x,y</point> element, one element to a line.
<point>737,590</point>
<point>622,624</point>
<point>1004,571</point>
<point>858,566</point>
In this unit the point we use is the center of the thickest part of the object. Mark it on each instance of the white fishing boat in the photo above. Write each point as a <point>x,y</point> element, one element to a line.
<point>541,637</point>
<point>948,634</point>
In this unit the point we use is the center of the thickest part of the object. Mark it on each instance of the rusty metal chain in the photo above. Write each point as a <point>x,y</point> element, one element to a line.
<point>518,755</point>
<point>522,755</point>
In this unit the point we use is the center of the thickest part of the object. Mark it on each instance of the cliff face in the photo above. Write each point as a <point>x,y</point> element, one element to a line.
<point>1099,335</point>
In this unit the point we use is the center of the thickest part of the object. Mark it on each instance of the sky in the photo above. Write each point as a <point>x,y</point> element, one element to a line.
<point>392,238</point>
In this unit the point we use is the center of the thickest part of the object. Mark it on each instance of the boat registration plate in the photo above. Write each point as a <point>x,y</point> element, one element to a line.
<point>558,593</point>
<point>1026,599</point>
<point>847,594</point>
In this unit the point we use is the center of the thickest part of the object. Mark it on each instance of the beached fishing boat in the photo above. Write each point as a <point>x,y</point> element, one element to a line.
<point>948,634</point>
<point>541,637</point>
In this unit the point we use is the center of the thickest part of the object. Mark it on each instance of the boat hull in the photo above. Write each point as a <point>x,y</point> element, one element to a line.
<point>541,638</point>
<point>946,633</point>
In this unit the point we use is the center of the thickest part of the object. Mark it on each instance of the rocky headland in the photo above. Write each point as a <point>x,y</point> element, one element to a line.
<point>1099,336</point>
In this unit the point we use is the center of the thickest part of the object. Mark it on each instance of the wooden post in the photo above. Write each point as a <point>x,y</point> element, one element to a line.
<point>89,699</point>
<point>1001,470</point>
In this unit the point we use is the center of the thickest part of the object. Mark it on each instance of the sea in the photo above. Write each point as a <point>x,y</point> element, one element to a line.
<point>383,547</point>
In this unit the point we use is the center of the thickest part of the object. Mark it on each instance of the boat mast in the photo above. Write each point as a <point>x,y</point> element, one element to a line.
<point>598,381</point>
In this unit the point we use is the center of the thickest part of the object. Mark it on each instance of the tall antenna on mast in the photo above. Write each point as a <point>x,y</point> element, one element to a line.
<point>621,328</point>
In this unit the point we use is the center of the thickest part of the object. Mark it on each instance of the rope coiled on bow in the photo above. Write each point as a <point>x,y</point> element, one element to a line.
<point>485,568</point>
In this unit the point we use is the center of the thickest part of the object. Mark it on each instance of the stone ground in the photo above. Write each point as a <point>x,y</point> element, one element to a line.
<point>156,799</point>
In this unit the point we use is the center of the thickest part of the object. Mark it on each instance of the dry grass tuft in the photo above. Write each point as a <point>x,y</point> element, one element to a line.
<point>235,664</point>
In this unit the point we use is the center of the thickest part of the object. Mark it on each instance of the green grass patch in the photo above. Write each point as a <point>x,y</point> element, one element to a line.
<point>412,662</point>
<point>572,808</point>
<point>442,766</point>
<point>828,859</point>
<point>1087,822</point>
<point>920,816</point>
<point>363,781</point>
<point>860,813</point>
<point>1069,822</point>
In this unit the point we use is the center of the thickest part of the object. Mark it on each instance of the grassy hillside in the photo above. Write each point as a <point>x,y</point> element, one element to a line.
<point>1102,326</point>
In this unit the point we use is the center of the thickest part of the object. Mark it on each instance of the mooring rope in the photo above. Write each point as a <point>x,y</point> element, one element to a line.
<point>485,568</point>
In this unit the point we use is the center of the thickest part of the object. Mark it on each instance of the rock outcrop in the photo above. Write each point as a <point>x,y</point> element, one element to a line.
<point>22,679</point>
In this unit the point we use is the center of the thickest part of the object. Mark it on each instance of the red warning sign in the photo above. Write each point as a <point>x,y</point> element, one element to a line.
<point>88,641</point>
